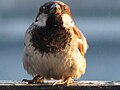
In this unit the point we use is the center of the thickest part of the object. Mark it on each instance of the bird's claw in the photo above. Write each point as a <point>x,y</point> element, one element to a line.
<point>67,81</point>
<point>37,79</point>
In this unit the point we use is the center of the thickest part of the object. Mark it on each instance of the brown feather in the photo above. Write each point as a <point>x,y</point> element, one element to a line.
<point>80,45</point>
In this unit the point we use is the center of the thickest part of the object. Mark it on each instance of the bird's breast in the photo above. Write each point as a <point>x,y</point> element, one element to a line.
<point>47,39</point>
<point>39,59</point>
<point>57,65</point>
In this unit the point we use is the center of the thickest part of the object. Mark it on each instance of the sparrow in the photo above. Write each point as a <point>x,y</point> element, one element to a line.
<point>54,47</point>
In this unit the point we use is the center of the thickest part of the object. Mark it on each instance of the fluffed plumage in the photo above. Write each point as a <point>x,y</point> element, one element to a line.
<point>54,46</point>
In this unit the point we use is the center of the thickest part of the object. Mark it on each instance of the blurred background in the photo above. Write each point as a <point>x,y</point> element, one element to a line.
<point>99,20</point>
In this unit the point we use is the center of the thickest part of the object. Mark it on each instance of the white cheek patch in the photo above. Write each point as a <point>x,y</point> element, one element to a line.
<point>41,20</point>
<point>67,21</point>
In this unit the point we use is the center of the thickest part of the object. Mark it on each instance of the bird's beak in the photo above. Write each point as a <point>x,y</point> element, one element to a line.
<point>55,9</point>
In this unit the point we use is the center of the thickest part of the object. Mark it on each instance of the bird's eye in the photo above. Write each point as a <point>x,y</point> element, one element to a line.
<point>43,7</point>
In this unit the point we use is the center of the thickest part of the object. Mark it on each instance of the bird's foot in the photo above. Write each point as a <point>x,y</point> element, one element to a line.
<point>36,80</point>
<point>66,82</point>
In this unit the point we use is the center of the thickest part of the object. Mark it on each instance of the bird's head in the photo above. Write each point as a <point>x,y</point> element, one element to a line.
<point>53,27</point>
<point>54,14</point>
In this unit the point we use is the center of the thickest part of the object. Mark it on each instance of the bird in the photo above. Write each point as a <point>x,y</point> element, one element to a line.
<point>54,48</point>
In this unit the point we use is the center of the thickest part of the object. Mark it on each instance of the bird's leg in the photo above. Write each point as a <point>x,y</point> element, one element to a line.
<point>66,81</point>
<point>36,79</point>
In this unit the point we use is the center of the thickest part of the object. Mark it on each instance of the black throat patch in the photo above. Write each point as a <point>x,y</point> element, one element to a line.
<point>51,38</point>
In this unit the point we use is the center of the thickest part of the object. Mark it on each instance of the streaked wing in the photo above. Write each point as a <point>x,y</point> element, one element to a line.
<point>82,42</point>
